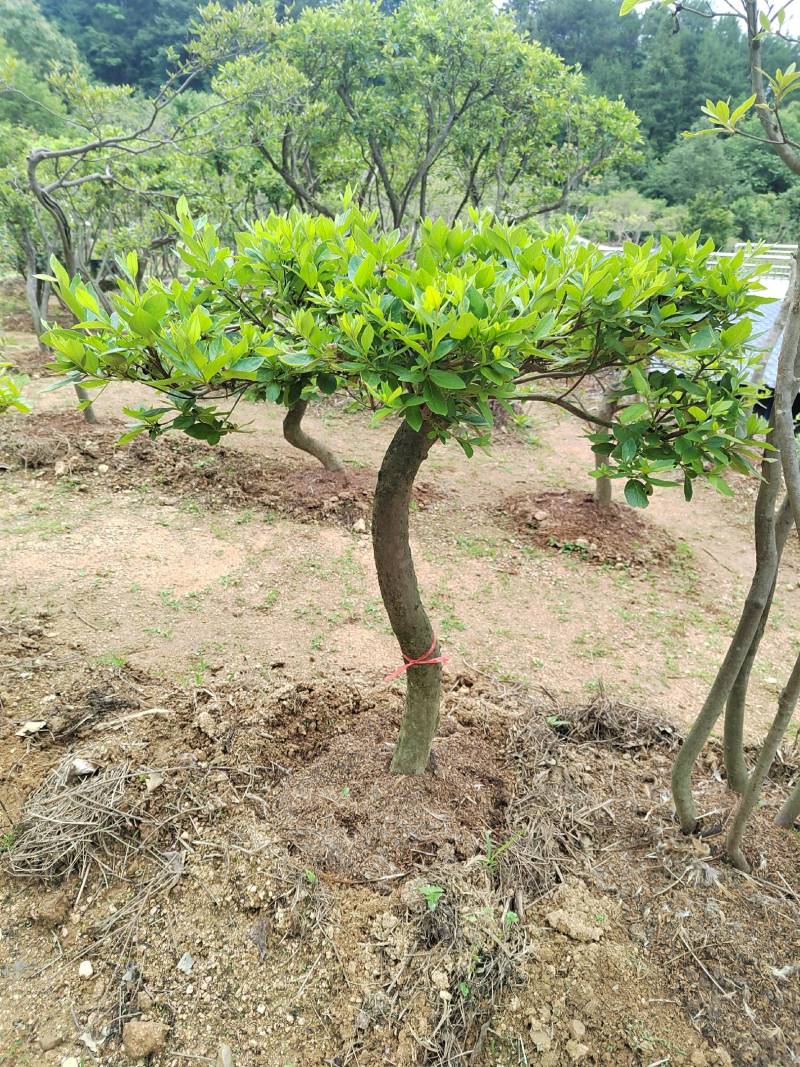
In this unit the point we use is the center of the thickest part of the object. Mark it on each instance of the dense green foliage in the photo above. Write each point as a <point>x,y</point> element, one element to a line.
<point>126,42</point>
<point>478,313</point>
<point>665,69</point>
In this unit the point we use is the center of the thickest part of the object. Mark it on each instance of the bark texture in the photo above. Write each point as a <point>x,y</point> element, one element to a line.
<point>790,812</point>
<point>787,702</point>
<point>735,710</point>
<point>400,591</point>
<point>743,638</point>
<point>295,434</point>
<point>602,486</point>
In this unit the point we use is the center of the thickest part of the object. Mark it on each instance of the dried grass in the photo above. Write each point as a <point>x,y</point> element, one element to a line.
<point>621,726</point>
<point>74,823</point>
<point>466,936</point>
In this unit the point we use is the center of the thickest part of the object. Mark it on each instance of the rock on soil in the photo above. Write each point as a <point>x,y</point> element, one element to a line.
<point>574,926</point>
<point>141,1038</point>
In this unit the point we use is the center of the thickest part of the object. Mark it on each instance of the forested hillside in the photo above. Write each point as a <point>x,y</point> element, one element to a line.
<point>663,67</point>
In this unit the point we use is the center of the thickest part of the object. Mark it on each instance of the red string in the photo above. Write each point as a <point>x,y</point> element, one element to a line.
<point>426,659</point>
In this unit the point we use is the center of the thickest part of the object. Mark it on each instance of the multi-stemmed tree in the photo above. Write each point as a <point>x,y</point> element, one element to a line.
<point>771,93</point>
<point>479,313</point>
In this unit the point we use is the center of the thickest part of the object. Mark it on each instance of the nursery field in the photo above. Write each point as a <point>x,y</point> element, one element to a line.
<point>196,722</point>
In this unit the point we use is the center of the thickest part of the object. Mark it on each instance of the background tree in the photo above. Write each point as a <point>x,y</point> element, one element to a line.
<point>441,105</point>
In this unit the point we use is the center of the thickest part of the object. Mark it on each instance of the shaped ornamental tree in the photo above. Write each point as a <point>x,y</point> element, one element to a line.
<point>428,338</point>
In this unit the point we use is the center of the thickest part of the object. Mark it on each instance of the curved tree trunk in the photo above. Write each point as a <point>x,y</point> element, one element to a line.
<point>790,812</point>
<point>400,591</point>
<point>752,612</point>
<point>787,702</point>
<point>297,436</point>
<point>735,767</point>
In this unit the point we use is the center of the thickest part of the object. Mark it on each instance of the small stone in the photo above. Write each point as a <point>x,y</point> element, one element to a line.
<point>360,526</point>
<point>540,1040</point>
<point>85,970</point>
<point>102,468</point>
<point>70,1061</point>
<point>539,516</point>
<point>50,1038</point>
<point>185,963</point>
<point>576,1029</point>
<point>224,1056</point>
<point>698,1059</point>
<point>144,1001</point>
<point>576,1051</point>
<point>205,723</point>
<point>140,1038</point>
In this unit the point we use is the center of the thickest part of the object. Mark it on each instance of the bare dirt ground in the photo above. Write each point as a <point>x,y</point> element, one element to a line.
<point>203,627</point>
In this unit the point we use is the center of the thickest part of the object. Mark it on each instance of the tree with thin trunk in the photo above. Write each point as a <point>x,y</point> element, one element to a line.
<point>477,314</point>
<point>770,92</point>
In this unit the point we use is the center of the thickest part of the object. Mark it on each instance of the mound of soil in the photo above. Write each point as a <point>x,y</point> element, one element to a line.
<point>63,445</point>
<point>28,361</point>
<point>278,892</point>
<point>570,521</point>
<point>348,815</point>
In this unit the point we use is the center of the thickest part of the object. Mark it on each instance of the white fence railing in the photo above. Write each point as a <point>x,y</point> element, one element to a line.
<point>778,258</point>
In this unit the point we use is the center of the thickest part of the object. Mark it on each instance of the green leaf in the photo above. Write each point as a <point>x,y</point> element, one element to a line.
<point>636,494</point>
<point>296,359</point>
<point>364,272</point>
<point>738,333</point>
<point>477,305</point>
<point>326,383</point>
<point>720,484</point>
<point>413,417</point>
<point>463,324</point>
<point>639,381</point>
<point>446,379</point>
<point>632,413</point>
<point>203,432</point>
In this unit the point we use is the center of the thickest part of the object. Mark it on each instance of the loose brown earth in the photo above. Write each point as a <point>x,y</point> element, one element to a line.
<point>183,620</point>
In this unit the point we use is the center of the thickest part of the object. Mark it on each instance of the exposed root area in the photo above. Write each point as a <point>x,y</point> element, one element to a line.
<point>238,867</point>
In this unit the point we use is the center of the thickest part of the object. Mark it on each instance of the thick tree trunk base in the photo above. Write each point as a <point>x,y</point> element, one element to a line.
<point>400,592</point>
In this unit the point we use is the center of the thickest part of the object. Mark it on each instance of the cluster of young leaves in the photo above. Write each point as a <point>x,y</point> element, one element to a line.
<point>10,392</point>
<point>473,314</point>
<point>237,321</point>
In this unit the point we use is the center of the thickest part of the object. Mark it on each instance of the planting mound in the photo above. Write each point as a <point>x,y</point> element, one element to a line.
<point>26,360</point>
<point>345,813</point>
<point>569,521</point>
<point>230,873</point>
<point>63,445</point>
